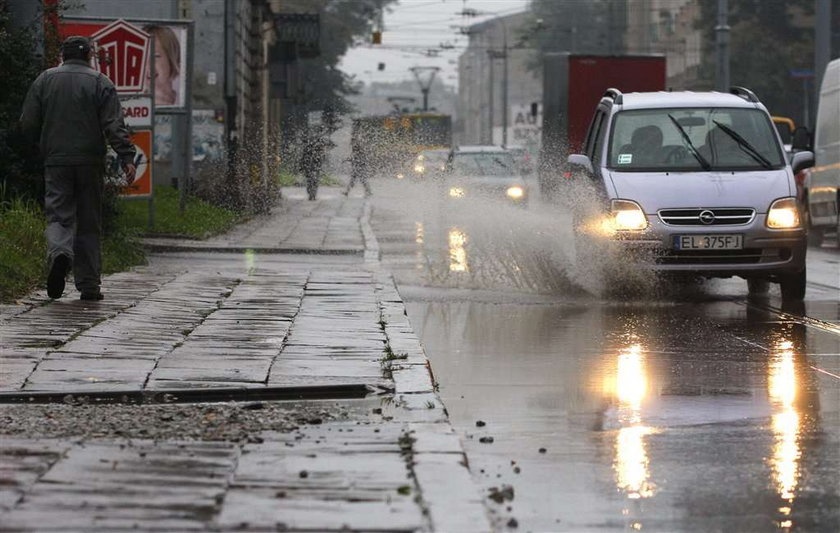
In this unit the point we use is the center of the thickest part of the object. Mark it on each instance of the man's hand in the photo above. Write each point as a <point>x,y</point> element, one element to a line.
<point>130,171</point>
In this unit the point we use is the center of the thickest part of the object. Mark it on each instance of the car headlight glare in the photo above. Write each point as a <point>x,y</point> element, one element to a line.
<point>783,214</point>
<point>419,169</point>
<point>400,176</point>
<point>516,192</point>
<point>456,192</point>
<point>628,216</point>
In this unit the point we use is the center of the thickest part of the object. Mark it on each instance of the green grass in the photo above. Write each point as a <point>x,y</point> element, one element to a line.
<point>23,255</point>
<point>287,179</point>
<point>24,247</point>
<point>199,220</point>
<point>23,252</point>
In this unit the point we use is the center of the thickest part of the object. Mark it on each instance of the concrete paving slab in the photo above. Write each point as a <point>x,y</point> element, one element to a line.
<point>241,320</point>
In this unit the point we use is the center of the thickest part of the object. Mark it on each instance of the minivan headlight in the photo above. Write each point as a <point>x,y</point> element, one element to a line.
<point>627,215</point>
<point>783,214</point>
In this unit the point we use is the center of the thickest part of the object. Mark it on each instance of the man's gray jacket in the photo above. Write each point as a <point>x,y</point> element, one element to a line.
<point>71,110</point>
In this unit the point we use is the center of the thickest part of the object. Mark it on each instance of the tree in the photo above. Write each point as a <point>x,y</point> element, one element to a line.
<point>769,38</point>
<point>343,24</point>
<point>20,64</point>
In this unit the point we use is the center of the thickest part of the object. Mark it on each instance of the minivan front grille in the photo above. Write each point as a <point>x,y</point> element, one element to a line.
<point>717,216</point>
<point>710,257</point>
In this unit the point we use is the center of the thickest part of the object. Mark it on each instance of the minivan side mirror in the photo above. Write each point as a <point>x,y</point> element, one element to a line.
<point>801,139</point>
<point>580,161</point>
<point>801,161</point>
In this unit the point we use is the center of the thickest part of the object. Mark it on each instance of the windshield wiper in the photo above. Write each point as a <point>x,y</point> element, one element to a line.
<point>500,163</point>
<point>691,148</point>
<point>744,145</point>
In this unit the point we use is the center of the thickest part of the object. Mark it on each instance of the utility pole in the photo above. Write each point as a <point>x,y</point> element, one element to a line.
<point>492,106</point>
<point>722,32</point>
<point>503,55</point>
<point>504,84</point>
<point>230,94</point>
<point>822,44</point>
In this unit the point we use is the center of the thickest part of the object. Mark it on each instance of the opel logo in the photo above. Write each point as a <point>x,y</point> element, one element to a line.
<point>707,217</point>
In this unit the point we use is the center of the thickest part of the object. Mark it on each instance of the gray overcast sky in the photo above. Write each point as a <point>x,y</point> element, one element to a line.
<point>412,27</point>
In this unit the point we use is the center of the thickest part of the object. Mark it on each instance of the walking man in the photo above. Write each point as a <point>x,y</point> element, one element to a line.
<point>312,161</point>
<point>360,168</point>
<point>71,111</point>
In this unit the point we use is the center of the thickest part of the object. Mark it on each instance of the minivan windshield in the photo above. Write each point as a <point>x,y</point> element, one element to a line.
<point>688,139</point>
<point>484,164</point>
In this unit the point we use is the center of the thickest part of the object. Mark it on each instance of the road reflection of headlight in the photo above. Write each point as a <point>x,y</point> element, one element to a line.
<point>516,192</point>
<point>457,252</point>
<point>456,192</point>
<point>785,422</point>
<point>629,386</point>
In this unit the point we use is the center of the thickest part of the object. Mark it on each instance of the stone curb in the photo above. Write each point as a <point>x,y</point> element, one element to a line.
<point>155,246</point>
<point>372,253</point>
<point>439,458</point>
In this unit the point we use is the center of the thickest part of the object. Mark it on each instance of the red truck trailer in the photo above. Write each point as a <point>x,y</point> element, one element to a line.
<point>573,84</point>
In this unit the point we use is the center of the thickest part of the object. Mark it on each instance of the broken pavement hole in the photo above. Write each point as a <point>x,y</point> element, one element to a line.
<point>240,394</point>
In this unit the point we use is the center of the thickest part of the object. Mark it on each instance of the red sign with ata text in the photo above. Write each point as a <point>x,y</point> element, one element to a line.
<point>123,51</point>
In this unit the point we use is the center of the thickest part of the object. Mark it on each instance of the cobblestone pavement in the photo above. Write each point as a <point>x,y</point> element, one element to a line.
<point>246,320</point>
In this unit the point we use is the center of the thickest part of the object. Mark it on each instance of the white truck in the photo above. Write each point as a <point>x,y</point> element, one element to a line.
<point>822,185</point>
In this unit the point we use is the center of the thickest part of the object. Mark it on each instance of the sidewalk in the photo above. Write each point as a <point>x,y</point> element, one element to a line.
<point>107,426</point>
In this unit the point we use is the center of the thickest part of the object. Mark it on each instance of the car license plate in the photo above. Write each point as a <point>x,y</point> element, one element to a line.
<point>709,242</point>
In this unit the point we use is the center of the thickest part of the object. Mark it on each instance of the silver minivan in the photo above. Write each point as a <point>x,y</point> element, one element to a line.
<point>701,183</point>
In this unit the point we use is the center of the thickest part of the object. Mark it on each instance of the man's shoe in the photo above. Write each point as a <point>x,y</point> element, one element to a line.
<point>95,296</point>
<point>55,279</point>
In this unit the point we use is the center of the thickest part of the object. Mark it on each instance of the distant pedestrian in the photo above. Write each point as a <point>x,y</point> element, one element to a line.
<point>312,160</point>
<point>360,168</point>
<point>71,111</point>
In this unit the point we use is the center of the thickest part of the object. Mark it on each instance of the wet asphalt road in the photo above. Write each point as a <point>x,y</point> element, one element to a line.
<point>668,409</point>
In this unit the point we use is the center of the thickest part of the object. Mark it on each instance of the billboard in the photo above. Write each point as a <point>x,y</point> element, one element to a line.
<point>170,65</point>
<point>118,56</point>
<point>142,184</point>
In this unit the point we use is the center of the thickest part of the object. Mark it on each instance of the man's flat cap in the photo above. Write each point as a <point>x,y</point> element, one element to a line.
<point>76,42</point>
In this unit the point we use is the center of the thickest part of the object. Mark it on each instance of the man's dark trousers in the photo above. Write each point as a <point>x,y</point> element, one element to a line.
<point>73,205</point>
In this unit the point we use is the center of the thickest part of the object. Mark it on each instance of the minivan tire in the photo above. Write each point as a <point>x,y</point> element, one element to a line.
<point>793,286</point>
<point>757,286</point>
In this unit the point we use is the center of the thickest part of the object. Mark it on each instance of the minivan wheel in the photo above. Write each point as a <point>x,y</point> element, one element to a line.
<point>758,286</point>
<point>793,286</point>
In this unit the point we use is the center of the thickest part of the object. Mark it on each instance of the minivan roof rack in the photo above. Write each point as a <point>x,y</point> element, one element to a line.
<point>744,93</point>
<point>615,94</point>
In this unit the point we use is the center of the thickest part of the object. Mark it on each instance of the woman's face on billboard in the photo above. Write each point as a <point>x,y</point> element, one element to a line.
<point>164,93</point>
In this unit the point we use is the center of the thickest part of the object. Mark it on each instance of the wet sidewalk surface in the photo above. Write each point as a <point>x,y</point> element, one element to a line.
<point>246,323</point>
